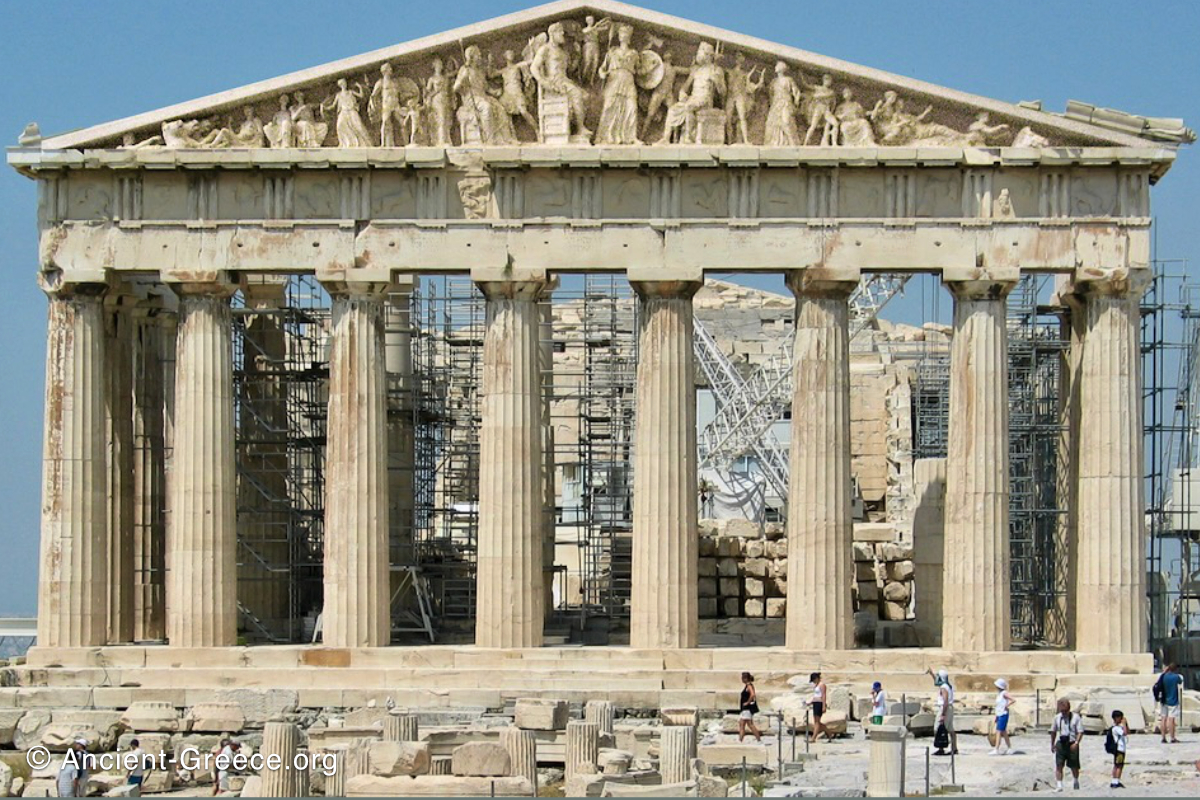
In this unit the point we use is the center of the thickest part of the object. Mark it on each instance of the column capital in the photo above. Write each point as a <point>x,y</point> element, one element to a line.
<point>512,289</point>
<point>979,283</point>
<point>667,289</point>
<point>58,284</point>
<point>214,284</point>
<point>1116,282</point>
<point>263,291</point>
<point>363,290</point>
<point>833,284</point>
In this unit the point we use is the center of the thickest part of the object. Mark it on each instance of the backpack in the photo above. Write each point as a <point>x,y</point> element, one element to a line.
<point>1160,690</point>
<point>1110,742</point>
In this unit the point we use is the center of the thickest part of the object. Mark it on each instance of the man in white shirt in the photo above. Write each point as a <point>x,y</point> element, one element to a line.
<point>1120,735</point>
<point>137,769</point>
<point>1065,735</point>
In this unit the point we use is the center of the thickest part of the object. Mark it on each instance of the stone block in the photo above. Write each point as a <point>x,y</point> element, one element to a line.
<point>706,567</point>
<point>683,789</point>
<point>758,567</point>
<point>727,567</point>
<point>707,607</point>
<point>679,715</point>
<point>388,759</point>
<point>868,591</point>
<point>896,593</point>
<point>778,549</point>
<point>775,531</point>
<point>741,528</point>
<point>874,532</point>
<point>865,571</point>
<point>154,743</point>
<point>481,759</point>
<point>41,787</point>
<point>756,587</point>
<point>539,714</point>
<point>216,718</point>
<point>260,705</point>
<point>437,786</point>
<point>900,571</point>
<point>755,608</point>
<point>864,551</point>
<point>728,548</point>
<point>152,717</point>
<point>730,587</point>
<point>731,607</point>
<point>776,607</point>
<point>753,548</point>
<point>707,587</point>
<point>895,551</point>
<point>777,587</point>
<point>894,611</point>
<point>709,786</point>
<point>9,717</point>
<point>866,622</point>
<point>613,761</point>
<point>708,546</point>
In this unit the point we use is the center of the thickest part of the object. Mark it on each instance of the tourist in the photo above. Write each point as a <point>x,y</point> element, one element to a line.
<point>72,774</point>
<point>878,703</point>
<point>1004,702</point>
<point>944,711</point>
<point>748,708</point>
<point>1167,691</point>
<point>1119,733</point>
<point>225,765</point>
<point>819,702</point>
<point>137,772</point>
<point>1065,735</point>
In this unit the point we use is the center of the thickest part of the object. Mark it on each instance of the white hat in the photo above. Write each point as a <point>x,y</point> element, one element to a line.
<point>943,675</point>
<point>1002,684</point>
<point>81,741</point>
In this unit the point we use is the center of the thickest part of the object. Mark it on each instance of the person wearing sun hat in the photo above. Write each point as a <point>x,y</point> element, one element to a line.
<point>1004,702</point>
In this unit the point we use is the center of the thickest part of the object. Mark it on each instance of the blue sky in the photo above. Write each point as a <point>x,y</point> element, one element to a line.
<point>69,64</point>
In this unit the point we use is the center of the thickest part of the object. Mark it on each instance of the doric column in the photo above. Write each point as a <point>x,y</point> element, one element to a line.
<point>262,455</point>
<point>663,604</point>
<point>401,452</point>
<point>119,435</point>
<point>820,613</point>
<point>509,597</point>
<point>975,593</point>
<point>1110,584</point>
<point>149,478</point>
<point>546,344</point>
<point>356,612</point>
<point>202,530</point>
<point>676,749</point>
<point>72,585</point>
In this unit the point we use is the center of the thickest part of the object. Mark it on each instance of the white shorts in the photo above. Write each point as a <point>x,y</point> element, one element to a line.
<point>747,714</point>
<point>1171,712</point>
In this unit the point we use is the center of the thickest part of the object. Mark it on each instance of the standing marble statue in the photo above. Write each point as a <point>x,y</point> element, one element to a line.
<point>704,86</point>
<point>385,107</point>
<point>309,132</point>
<point>591,47</point>
<point>853,123</point>
<point>664,92</point>
<point>618,115</point>
<point>821,101</point>
<point>478,109</point>
<point>514,79</point>
<point>742,88</point>
<point>281,130</point>
<point>781,130</point>
<point>349,126</point>
<point>439,102</point>
<point>549,69</point>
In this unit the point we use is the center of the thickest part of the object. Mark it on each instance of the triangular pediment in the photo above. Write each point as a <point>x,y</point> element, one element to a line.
<point>786,96</point>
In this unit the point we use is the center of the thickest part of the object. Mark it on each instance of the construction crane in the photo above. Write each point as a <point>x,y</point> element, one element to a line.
<point>748,408</point>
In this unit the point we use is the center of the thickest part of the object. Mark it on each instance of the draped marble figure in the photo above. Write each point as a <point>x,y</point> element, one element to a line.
<point>618,117</point>
<point>704,86</point>
<point>782,130</point>
<point>349,126</point>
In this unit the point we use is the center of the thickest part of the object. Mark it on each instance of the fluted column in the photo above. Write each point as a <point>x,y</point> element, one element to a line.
<point>401,451</point>
<point>202,531</point>
<point>119,435</point>
<point>663,604</point>
<point>72,585</point>
<point>509,596</point>
<point>1110,585</point>
<point>583,748</point>
<point>356,612</point>
<point>262,456</point>
<point>401,728</point>
<point>819,523</point>
<point>282,741</point>
<point>522,752</point>
<point>149,479</point>
<point>601,712</point>
<point>975,594</point>
<point>676,749</point>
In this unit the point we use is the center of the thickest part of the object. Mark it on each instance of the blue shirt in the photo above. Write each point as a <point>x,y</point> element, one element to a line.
<point>1171,683</point>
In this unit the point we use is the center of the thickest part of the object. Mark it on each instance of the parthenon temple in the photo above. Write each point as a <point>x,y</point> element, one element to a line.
<point>400,377</point>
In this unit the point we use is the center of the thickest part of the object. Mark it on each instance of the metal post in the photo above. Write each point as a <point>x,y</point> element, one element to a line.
<point>1037,708</point>
<point>904,708</point>
<point>779,746</point>
<point>491,788</point>
<point>927,772</point>
<point>743,776</point>
<point>903,762</point>
<point>953,771</point>
<point>808,737</point>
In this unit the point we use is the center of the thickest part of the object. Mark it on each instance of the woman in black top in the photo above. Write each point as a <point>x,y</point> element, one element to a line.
<point>748,707</point>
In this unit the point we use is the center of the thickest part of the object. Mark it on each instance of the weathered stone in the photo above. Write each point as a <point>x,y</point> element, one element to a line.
<point>730,587</point>
<point>216,718</point>
<point>896,593</point>
<point>677,748</point>
<point>522,752</point>
<point>602,712</point>
<point>683,789</point>
<point>9,717</point>
<point>874,532</point>
<point>754,608</point>
<point>683,715</point>
<point>753,548</point>
<point>894,611</point>
<point>401,728</point>
<point>614,762</point>
<point>868,591</point>
<point>281,741</point>
<point>28,732</point>
<point>437,786</point>
<point>389,759</point>
<point>727,567</point>
<point>864,551</point>
<point>756,587</point>
<point>583,748</point>
<point>152,717</point>
<point>776,607</point>
<point>900,571</point>
<point>481,759</point>
<point>707,587</point>
<point>707,568</point>
<point>894,551</point>
<point>709,786</point>
<point>260,705</point>
<point>758,567</point>
<point>731,607</point>
<point>540,715</point>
